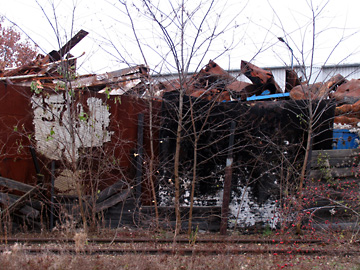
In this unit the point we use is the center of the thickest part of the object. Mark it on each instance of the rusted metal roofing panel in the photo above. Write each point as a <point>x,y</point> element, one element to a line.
<point>119,78</point>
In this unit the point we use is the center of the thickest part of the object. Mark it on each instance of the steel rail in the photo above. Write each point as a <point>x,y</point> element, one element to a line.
<point>164,240</point>
<point>183,251</point>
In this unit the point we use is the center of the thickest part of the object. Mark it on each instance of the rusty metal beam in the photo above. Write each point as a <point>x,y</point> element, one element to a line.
<point>259,76</point>
<point>57,55</point>
<point>291,80</point>
<point>12,184</point>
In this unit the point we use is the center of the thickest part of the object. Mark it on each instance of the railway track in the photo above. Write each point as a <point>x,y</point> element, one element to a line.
<point>161,240</point>
<point>205,246</point>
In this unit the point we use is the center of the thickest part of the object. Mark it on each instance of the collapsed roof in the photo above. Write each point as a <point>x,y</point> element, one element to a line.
<point>210,83</point>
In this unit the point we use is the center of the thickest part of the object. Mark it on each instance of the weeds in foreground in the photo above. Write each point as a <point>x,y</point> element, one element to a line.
<point>17,259</point>
<point>80,239</point>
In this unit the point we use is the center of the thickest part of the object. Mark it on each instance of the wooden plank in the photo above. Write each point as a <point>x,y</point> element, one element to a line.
<point>324,161</point>
<point>333,162</point>
<point>332,172</point>
<point>335,158</point>
<point>119,197</point>
<point>341,167</point>
<point>26,210</point>
<point>12,184</point>
<point>339,226</point>
<point>124,76</point>
<point>36,204</point>
<point>20,202</point>
<point>227,183</point>
<point>337,152</point>
<point>109,191</point>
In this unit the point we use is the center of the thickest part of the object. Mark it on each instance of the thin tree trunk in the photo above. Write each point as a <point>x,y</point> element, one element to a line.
<point>306,160</point>
<point>73,160</point>
<point>177,164</point>
<point>193,182</point>
<point>151,164</point>
<point>304,167</point>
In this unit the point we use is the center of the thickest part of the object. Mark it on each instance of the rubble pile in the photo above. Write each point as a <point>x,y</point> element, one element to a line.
<point>214,83</point>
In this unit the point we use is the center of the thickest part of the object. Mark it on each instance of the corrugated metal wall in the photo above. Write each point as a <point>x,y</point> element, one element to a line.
<point>279,76</point>
<point>314,74</point>
<point>348,71</point>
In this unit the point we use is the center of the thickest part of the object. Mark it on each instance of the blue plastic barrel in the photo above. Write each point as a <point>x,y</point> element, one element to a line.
<point>344,139</point>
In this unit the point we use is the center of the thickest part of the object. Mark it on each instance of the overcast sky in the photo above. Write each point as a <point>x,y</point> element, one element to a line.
<point>250,31</point>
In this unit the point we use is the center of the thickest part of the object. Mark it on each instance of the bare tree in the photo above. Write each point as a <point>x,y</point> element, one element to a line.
<point>185,34</point>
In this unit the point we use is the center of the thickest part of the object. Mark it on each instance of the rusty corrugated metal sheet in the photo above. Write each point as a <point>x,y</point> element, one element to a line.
<point>15,129</point>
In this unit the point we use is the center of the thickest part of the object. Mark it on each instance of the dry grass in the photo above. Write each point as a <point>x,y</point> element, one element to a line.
<point>80,239</point>
<point>47,261</point>
<point>15,258</point>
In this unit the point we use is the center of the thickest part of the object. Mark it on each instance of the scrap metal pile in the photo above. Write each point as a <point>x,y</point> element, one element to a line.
<point>211,83</point>
<point>57,71</point>
<point>214,83</point>
<point>346,94</point>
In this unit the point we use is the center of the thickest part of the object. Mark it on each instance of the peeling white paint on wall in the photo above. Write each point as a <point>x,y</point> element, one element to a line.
<point>243,208</point>
<point>54,125</point>
<point>246,212</point>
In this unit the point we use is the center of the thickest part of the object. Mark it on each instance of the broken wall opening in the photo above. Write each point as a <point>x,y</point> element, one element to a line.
<point>269,139</point>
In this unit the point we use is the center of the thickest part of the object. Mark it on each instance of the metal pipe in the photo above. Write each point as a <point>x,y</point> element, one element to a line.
<point>291,50</point>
